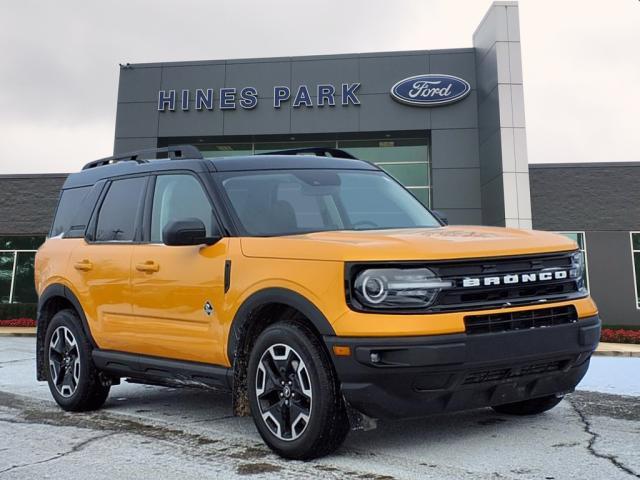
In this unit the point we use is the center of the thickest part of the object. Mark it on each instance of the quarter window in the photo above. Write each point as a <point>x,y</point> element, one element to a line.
<point>178,197</point>
<point>117,216</point>
<point>579,238</point>
<point>67,207</point>
<point>635,252</point>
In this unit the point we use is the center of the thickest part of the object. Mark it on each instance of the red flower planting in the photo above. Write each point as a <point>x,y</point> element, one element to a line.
<point>18,322</point>
<point>620,335</point>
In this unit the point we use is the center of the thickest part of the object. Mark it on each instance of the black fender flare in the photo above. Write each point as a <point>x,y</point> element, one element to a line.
<point>53,291</point>
<point>281,296</point>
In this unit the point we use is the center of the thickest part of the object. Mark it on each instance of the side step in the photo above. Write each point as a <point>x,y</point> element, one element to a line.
<point>155,370</point>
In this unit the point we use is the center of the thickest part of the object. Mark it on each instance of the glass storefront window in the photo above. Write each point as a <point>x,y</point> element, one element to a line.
<point>579,238</point>
<point>6,274</point>
<point>274,147</point>
<point>23,288</point>
<point>635,252</point>
<point>20,242</point>
<point>405,159</point>
<point>226,149</point>
<point>388,150</point>
<point>17,255</point>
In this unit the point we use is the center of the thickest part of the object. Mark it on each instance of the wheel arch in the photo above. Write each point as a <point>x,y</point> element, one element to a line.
<point>54,298</point>
<point>257,312</point>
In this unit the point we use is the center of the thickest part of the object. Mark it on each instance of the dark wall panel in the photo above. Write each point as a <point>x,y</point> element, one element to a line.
<point>611,277</point>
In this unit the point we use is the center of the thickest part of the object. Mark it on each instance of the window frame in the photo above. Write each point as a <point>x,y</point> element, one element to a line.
<point>90,235</point>
<point>585,250</point>
<point>147,210</point>
<point>633,266</point>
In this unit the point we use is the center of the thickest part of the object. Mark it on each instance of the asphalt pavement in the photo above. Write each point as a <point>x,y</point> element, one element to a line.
<point>157,432</point>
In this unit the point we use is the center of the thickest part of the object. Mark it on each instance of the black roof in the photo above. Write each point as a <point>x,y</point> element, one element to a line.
<point>287,162</point>
<point>94,174</point>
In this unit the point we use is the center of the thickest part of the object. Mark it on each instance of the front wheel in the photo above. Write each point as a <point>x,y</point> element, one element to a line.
<point>533,406</point>
<point>294,393</point>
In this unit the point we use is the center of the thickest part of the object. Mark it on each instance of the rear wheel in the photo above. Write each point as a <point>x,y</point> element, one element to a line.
<point>294,393</point>
<point>74,381</point>
<point>533,406</point>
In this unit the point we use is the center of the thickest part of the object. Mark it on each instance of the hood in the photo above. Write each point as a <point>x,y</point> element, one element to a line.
<point>407,244</point>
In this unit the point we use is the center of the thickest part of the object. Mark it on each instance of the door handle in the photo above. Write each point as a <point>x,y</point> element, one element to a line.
<point>83,265</point>
<point>149,266</point>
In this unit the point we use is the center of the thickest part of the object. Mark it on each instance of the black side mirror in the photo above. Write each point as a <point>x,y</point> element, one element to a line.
<point>190,231</point>
<point>441,216</point>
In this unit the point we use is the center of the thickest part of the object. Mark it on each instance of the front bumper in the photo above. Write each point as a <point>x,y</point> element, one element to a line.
<point>417,376</point>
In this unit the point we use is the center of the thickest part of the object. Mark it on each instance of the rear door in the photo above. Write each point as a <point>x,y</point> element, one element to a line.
<point>100,266</point>
<point>179,290</point>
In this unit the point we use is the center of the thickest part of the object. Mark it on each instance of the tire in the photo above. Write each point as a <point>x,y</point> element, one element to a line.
<point>533,406</point>
<point>294,393</point>
<point>74,381</point>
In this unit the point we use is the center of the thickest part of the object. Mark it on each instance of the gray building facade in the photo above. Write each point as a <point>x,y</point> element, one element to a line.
<point>599,204</point>
<point>466,158</point>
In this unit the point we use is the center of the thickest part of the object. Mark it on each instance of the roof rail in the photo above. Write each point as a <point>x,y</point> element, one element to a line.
<point>317,151</point>
<point>176,152</point>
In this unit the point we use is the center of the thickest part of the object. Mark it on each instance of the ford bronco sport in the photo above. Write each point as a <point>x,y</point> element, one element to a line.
<point>314,288</point>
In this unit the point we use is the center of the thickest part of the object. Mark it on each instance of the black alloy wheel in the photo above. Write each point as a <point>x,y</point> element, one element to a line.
<point>294,392</point>
<point>64,361</point>
<point>284,393</point>
<point>74,381</point>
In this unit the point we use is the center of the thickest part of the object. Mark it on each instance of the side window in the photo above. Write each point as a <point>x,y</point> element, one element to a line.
<point>117,216</point>
<point>68,205</point>
<point>177,197</point>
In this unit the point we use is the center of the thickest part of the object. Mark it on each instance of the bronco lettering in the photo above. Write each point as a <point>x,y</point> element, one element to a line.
<point>515,278</point>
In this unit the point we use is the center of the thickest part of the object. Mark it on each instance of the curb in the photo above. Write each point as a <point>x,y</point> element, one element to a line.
<point>616,353</point>
<point>17,332</point>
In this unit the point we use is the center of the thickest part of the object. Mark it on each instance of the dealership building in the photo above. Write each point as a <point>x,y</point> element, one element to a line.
<point>448,124</point>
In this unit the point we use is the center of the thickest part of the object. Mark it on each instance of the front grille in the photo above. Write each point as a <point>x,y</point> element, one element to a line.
<point>521,293</point>
<point>500,374</point>
<point>522,320</point>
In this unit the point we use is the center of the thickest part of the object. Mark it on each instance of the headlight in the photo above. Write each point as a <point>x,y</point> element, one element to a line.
<point>397,287</point>
<point>578,270</point>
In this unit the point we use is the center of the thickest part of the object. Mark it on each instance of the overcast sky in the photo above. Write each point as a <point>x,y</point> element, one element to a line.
<point>59,63</point>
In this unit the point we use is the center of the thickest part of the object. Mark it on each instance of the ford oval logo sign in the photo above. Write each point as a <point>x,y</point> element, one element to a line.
<point>430,90</point>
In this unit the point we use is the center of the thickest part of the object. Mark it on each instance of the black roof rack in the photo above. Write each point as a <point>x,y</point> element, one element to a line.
<point>176,152</point>
<point>317,151</point>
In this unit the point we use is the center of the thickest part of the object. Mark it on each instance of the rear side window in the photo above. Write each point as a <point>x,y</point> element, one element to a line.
<point>117,216</point>
<point>70,201</point>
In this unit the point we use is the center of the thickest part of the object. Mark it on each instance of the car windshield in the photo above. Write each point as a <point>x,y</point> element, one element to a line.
<point>273,203</point>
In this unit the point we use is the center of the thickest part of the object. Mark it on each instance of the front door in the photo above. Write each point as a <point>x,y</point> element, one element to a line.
<point>178,290</point>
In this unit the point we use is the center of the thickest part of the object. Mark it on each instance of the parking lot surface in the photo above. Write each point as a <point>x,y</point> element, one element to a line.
<point>157,432</point>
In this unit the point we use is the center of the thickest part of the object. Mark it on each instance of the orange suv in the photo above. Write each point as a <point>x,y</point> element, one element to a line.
<point>309,284</point>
